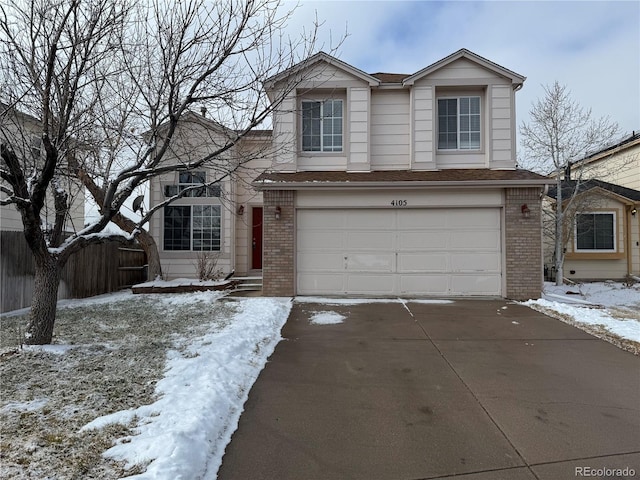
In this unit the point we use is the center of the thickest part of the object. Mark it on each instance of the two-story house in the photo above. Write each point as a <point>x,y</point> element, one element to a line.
<point>386,184</point>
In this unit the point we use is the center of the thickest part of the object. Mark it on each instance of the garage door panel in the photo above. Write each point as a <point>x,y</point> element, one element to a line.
<point>362,284</point>
<point>473,262</point>
<point>321,220</point>
<point>419,284</point>
<point>371,219</point>
<point>473,217</point>
<point>475,240</point>
<point>425,240</point>
<point>410,219</point>
<point>475,284</point>
<point>320,261</point>
<point>362,262</point>
<point>421,262</point>
<point>374,240</point>
<point>323,240</point>
<point>320,283</point>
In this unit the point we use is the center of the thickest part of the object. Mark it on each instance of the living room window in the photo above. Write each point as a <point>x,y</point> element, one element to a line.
<point>322,125</point>
<point>459,123</point>
<point>192,227</point>
<point>595,232</point>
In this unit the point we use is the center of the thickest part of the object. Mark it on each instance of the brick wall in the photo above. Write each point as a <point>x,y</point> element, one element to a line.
<point>523,236</point>
<point>278,274</point>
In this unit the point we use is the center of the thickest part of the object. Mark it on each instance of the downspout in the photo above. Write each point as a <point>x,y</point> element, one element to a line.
<point>628,247</point>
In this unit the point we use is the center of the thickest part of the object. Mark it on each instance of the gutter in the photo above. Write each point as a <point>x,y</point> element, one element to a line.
<point>260,186</point>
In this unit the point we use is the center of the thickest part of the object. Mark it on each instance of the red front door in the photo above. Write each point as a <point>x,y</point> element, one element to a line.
<point>256,234</point>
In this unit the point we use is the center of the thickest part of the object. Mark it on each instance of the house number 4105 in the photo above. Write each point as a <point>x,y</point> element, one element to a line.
<point>398,203</point>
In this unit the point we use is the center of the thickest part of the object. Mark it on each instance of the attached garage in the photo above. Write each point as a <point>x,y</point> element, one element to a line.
<point>448,233</point>
<point>413,251</point>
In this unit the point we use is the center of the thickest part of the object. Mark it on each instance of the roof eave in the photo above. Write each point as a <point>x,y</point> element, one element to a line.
<point>409,184</point>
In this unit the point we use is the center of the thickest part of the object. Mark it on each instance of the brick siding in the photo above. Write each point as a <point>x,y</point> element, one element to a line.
<point>278,274</point>
<point>523,237</point>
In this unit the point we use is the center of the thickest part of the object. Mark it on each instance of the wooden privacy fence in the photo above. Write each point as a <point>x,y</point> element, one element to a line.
<point>94,270</point>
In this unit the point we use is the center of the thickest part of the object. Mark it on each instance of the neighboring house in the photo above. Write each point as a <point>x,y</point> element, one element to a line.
<point>609,181</point>
<point>603,231</point>
<point>618,163</point>
<point>380,184</point>
<point>24,132</point>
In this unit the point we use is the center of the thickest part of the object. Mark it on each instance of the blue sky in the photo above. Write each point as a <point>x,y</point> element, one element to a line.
<point>592,47</point>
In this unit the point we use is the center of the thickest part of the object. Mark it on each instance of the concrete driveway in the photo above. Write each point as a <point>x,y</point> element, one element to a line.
<point>477,389</point>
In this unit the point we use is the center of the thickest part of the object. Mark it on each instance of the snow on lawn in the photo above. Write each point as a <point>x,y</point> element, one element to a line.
<point>608,310</point>
<point>184,433</point>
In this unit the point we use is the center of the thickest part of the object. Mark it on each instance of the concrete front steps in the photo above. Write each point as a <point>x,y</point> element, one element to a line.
<point>251,283</point>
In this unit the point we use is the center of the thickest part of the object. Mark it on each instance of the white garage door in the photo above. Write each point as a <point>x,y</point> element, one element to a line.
<point>399,252</point>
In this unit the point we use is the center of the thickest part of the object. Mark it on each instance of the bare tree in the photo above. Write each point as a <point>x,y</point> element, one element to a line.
<point>111,82</point>
<point>560,133</point>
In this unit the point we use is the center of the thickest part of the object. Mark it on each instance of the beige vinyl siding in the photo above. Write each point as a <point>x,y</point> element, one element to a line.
<point>423,114</point>
<point>248,197</point>
<point>389,130</point>
<point>462,69</point>
<point>595,269</point>
<point>323,75</point>
<point>284,134</point>
<point>622,169</point>
<point>501,154</point>
<point>358,117</point>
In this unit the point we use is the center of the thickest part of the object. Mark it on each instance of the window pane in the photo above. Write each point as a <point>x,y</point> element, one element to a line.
<point>447,124</point>
<point>177,227</point>
<point>474,105</point>
<point>206,227</point>
<point>464,106</point>
<point>595,231</point>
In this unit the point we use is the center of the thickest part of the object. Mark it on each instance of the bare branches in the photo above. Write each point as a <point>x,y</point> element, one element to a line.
<point>560,133</point>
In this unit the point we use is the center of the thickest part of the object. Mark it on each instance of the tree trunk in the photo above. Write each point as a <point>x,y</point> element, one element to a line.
<point>150,247</point>
<point>45,297</point>
<point>559,247</point>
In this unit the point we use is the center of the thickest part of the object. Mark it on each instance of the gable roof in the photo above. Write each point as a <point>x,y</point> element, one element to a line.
<point>376,79</point>
<point>569,187</point>
<point>516,79</point>
<point>318,58</point>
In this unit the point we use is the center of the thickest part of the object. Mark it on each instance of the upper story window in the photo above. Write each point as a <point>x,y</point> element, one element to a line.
<point>322,126</point>
<point>595,232</point>
<point>459,123</point>
<point>192,179</point>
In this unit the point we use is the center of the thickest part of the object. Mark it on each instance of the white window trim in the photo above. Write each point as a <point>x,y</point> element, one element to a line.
<point>191,250</point>
<point>459,150</point>
<point>321,151</point>
<point>596,250</point>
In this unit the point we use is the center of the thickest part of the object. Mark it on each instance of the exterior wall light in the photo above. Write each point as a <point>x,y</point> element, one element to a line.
<point>524,208</point>
<point>278,212</point>
<point>634,210</point>
<point>241,210</point>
